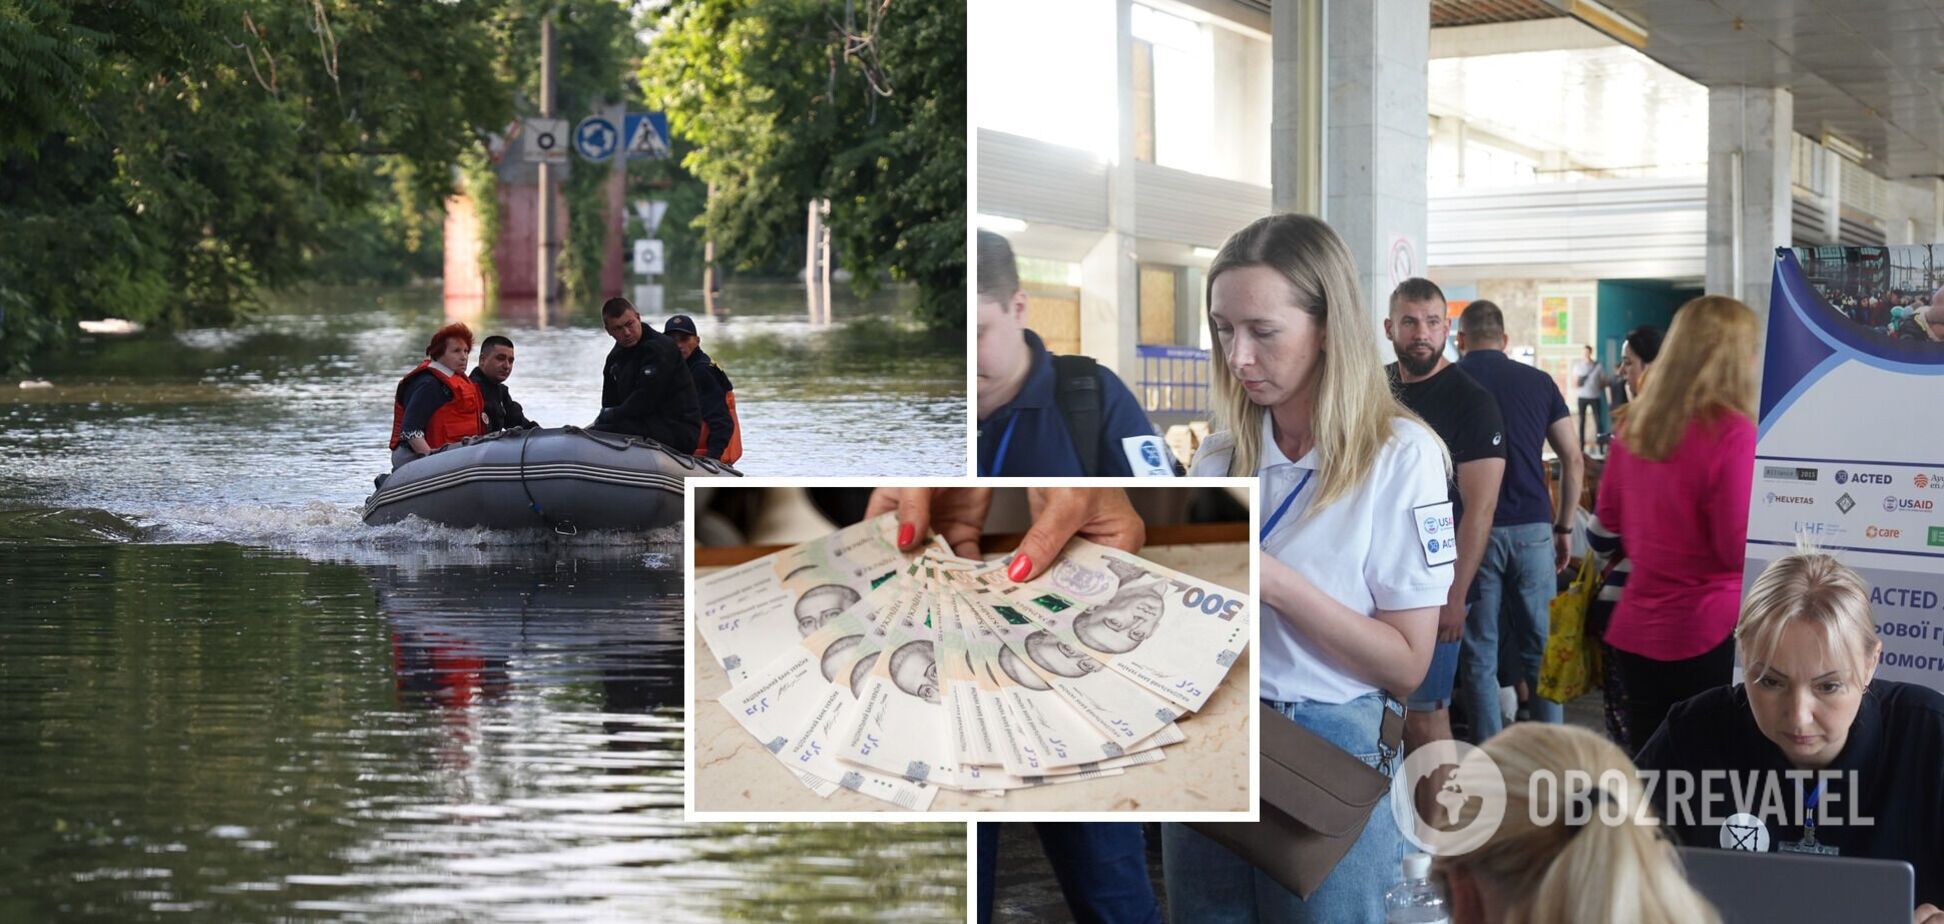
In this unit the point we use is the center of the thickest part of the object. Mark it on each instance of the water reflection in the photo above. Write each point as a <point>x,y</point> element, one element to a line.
<point>473,734</point>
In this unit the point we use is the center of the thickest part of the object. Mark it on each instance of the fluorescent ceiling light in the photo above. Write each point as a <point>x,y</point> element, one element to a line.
<point>1845,147</point>
<point>1206,253</point>
<point>1000,224</point>
<point>1616,26</point>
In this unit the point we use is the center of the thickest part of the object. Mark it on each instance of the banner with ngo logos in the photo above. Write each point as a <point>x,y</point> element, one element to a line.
<point>1851,448</point>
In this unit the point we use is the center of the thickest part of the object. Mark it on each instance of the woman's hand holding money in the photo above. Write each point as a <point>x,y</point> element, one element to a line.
<point>1102,515</point>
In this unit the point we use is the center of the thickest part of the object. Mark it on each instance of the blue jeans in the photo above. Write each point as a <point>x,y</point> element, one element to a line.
<point>1435,692</point>
<point>1209,884</point>
<point>1515,586</point>
<point>1101,866</point>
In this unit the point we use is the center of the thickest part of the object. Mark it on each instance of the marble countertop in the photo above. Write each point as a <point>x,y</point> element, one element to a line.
<point>1209,772</point>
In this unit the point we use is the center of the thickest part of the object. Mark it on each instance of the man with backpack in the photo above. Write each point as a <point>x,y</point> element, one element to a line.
<point>1042,414</point>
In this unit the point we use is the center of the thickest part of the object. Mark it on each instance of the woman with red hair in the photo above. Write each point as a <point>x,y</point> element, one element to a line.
<point>436,403</point>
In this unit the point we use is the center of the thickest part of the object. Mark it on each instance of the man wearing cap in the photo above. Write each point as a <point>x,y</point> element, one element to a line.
<point>721,431</point>
<point>643,389</point>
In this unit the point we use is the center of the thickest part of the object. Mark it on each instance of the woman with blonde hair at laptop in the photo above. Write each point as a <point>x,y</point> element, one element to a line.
<point>1591,854</point>
<point>1811,701</point>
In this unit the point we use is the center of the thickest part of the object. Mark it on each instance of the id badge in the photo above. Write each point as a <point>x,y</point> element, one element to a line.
<point>1437,532</point>
<point>1147,457</point>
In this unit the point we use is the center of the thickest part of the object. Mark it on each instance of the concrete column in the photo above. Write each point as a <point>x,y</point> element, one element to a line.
<point>1297,77</point>
<point>1748,140</point>
<point>1832,198</point>
<point>1377,139</point>
<point>1110,303</point>
<point>1915,206</point>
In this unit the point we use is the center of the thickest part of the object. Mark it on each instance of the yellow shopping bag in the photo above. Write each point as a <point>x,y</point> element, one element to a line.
<point>1572,661</point>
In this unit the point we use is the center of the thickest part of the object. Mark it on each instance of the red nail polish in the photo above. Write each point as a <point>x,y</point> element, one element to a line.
<point>906,532</point>
<point>1021,567</point>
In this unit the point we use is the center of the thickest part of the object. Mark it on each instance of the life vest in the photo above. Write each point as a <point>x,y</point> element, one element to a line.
<point>453,421</point>
<point>733,451</point>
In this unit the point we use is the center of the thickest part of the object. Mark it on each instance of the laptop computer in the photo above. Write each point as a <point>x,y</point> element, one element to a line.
<point>1748,887</point>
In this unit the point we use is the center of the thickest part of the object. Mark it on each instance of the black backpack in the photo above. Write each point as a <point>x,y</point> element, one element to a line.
<point>1076,391</point>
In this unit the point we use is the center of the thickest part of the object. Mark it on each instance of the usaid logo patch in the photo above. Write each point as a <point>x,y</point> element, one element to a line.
<point>1437,533</point>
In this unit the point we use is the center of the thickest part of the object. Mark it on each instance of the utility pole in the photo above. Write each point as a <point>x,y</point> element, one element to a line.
<point>543,270</point>
<point>709,281</point>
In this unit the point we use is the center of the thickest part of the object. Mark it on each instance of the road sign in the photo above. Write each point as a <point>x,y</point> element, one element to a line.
<point>647,135</point>
<point>647,256</point>
<point>546,141</point>
<point>596,138</point>
<point>650,211</point>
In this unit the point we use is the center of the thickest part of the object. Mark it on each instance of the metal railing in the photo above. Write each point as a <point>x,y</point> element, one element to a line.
<point>1173,379</point>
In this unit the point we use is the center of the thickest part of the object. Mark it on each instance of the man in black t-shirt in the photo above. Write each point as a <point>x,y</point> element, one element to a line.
<point>1466,417</point>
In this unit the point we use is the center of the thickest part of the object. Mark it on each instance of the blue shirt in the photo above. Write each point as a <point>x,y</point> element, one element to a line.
<point>1529,401</point>
<point>1039,443</point>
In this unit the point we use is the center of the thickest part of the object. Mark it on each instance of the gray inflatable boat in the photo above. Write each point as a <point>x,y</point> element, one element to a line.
<point>561,478</point>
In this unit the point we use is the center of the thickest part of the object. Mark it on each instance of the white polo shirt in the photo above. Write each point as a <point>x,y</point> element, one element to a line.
<point>1369,550</point>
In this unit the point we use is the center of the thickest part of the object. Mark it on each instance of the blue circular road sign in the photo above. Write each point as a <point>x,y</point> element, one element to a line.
<point>596,138</point>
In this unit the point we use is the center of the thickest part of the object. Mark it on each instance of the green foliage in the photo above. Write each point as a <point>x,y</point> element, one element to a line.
<point>175,159</point>
<point>781,108</point>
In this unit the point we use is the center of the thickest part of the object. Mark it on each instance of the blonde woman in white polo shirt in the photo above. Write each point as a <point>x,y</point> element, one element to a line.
<point>1356,541</point>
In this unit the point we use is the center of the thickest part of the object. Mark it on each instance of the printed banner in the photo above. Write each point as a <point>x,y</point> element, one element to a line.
<point>1851,447</point>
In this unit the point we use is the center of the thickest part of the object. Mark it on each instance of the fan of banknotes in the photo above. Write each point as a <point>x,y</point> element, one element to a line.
<point>894,674</point>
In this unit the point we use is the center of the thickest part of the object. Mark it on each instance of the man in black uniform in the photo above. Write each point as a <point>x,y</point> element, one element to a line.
<point>645,391</point>
<point>1466,417</point>
<point>711,389</point>
<point>495,365</point>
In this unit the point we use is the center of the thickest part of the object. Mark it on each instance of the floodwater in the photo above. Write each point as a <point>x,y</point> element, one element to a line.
<point>222,697</point>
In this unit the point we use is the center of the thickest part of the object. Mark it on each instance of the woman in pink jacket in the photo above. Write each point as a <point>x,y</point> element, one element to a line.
<point>1676,491</point>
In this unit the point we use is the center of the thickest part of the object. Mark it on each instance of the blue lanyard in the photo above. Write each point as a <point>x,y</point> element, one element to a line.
<point>1276,517</point>
<point>1005,440</point>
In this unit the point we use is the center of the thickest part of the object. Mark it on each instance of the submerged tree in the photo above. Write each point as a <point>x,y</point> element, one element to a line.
<point>861,103</point>
<point>173,158</point>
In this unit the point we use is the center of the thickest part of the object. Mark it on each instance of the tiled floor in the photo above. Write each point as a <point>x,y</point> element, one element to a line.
<point>1026,893</point>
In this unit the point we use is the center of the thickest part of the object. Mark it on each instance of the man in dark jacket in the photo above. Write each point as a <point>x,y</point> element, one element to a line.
<point>645,390</point>
<point>711,389</point>
<point>495,365</point>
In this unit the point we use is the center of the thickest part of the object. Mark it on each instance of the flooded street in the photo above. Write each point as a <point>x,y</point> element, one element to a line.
<point>242,735</point>
<point>222,697</point>
<point>204,429</point>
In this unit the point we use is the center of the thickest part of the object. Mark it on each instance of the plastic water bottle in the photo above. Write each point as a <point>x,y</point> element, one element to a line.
<point>1415,900</point>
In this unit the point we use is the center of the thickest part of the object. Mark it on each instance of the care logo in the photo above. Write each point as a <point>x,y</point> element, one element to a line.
<point>1448,797</point>
<point>1882,532</point>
